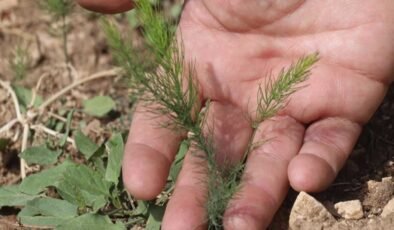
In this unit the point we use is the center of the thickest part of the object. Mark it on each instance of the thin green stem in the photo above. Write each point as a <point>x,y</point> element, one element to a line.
<point>250,145</point>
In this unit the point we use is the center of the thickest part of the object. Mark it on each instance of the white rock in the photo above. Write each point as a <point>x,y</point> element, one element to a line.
<point>388,209</point>
<point>308,213</point>
<point>351,210</point>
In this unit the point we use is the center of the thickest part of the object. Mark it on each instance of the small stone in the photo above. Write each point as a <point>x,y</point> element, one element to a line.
<point>350,210</point>
<point>371,184</point>
<point>308,213</point>
<point>388,209</point>
<point>379,193</point>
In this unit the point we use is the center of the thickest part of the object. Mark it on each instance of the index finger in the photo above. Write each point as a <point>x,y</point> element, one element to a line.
<point>150,150</point>
<point>105,6</point>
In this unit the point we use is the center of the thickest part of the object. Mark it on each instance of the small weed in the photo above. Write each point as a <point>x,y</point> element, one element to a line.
<point>57,193</point>
<point>19,62</point>
<point>60,9</point>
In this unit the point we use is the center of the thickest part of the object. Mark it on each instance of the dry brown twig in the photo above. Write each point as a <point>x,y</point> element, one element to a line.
<point>53,133</point>
<point>56,116</point>
<point>7,86</point>
<point>27,119</point>
<point>9,125</point>
<point>107,73</point>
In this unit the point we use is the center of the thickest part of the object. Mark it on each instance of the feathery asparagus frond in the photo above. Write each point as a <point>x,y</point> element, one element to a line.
<point>19,62</point>
<point>170,85</point>
<point>225,182</point>
<point>58,8</point>
<point>157,31</point>
<point>272,97</point>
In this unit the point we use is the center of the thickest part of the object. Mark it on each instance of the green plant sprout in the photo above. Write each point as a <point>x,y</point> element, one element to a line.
<point>169,87</point>
<point>19,62</point>
<point>77,202</point>
<point>58,193</point>
<point>60,9</point>
<point>30,107</point>
<point>224,181</point>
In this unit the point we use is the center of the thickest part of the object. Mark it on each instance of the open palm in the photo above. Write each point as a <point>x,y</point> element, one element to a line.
<point>235,45</point>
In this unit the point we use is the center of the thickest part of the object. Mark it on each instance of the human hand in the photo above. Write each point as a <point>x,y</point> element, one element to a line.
<point>235,45</point>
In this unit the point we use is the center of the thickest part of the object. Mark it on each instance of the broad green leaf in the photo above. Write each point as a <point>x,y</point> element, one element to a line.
<point>83,186</point>
<point>87,179</point>
<point>155,218</point>
<point>86,146</point>
<point>45,211</point>
<point>40,155</point>
<point>11,196</point>
<point>25,96</point>
<point>98,163</point>
<point>177,164</point>
<point>80,197</point>
<point>38,182</point>
<point>115,148</point>
<point>71,193</point>
<point>91,222</point>
<point>3,143</point>
<point>142,208</point>
<point>98,202</point>
<point>48,206</point>
<point>47,222</point>
<point>115,197</point>
<point>99,106</point>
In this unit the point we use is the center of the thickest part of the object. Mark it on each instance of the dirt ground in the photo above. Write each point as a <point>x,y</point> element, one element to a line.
<point>25,23</point>
<point>371,161</point>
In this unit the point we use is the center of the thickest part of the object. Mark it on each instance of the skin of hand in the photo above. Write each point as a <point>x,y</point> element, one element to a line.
<point>235,45</point>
